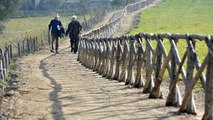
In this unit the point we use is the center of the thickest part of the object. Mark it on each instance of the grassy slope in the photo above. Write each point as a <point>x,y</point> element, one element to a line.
<point>178,16</point>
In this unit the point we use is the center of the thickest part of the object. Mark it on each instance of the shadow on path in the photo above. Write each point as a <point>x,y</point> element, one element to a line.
<point>56,112</point>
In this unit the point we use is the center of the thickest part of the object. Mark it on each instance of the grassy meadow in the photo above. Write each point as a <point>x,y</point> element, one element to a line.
<point>17,29</point>
<point>179,16</point>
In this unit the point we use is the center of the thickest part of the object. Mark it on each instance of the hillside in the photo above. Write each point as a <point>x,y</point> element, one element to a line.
<point>178,16</point>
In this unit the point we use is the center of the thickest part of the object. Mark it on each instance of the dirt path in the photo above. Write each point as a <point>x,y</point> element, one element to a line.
<point>110,16</point>
<point>57,87</point>
<point>131,20</point>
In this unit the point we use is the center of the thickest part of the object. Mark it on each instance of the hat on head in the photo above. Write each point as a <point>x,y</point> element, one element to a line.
<point>57,16</point>
<point>74,17</point>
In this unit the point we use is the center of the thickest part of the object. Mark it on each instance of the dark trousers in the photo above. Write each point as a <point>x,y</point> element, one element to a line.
<point>55,39</point>
<point>74,43</point>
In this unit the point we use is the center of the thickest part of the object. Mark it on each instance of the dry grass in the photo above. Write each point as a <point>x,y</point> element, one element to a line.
<point>18,29</point>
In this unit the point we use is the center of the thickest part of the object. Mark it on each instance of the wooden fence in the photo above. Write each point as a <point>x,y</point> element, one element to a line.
<point>27,46</point>
<point>127,58</point>
<point>108,29</point>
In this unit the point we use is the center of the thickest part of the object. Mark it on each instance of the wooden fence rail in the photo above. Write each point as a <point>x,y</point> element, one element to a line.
<point>142,60</point>
<point>108,29</point>
<point>27,46</point>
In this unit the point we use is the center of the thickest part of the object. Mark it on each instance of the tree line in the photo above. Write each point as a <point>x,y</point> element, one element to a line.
<point>9,7</point>
<point>62,4</point>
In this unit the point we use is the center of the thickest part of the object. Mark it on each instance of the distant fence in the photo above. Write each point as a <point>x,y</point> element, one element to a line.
<point>126,58</point>
<point>108,29</point>
<point>27,46</point>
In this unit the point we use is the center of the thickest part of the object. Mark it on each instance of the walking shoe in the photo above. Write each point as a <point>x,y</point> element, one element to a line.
<point>52,51</point>
<point>57,52</point>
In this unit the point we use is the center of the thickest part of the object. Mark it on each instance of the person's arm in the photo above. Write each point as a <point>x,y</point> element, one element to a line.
<point>68,30</point>
<point>61,27</point>
<point>50,25</point>
<point>80,27</point>
<point>60,24</point>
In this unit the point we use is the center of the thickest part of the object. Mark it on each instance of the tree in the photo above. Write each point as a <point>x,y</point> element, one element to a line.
<point>119,2</point>
<point>122,2</point>
<point>7,9</point>
<point>54,4</point>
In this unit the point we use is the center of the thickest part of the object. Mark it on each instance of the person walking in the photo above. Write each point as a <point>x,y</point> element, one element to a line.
<point>57,30</point>
<point>73,30</point>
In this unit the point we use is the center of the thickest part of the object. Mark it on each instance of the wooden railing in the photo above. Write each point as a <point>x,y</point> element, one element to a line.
<point>27,46</point>
<point>108,29</point>
<point>128,58</point>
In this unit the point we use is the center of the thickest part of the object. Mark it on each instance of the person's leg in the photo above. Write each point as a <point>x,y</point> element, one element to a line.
<point>76,44</point>
<point>56,43</point>
<point>52,42</point>
<point>72,44</point>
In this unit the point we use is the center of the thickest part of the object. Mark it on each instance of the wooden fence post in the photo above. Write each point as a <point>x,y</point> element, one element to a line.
<point>84,56</point>
<point>190,73</point>
<point>19,49</point>
<point>149,84</point>
<point>118,53</point>
<point>6,56</point>
<point>124,60</point>
<point>28,45</point>
<point>103,56</point>
<point>139,82</point>
<point>90,57</point>
<point>209,89</point>
<point>86,53</point>
<point>37,44</point>
<point>174,98</point>
<point>158,63</point>
<point>4,65</point>
<point>11,52</point>
<point>92,44</point>
<point>2,75</point>
<point>107,57</point>
<point>97,50</point>
<point>23,47</point>
<point>79,50</point>
<point>130,75</point>
<point>99,55</point>
<point>110,73</point>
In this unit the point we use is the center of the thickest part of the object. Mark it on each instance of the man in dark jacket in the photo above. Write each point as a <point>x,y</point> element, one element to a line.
<point>57,29</point>
<point>73,30</point>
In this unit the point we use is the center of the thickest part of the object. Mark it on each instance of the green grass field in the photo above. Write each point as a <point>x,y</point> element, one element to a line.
<point>179,16</point>
<point>17,29</point>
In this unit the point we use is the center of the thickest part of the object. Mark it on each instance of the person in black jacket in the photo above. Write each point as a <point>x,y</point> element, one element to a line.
<point>57,30</point>
<point>73,30</point>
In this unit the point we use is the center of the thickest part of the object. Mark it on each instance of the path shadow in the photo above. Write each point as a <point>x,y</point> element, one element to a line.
<point>56,112</point>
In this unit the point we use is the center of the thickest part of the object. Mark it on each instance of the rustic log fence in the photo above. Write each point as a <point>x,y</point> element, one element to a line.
<point>135,61</point>
<point>108,29</point>
<point>27,46</point>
